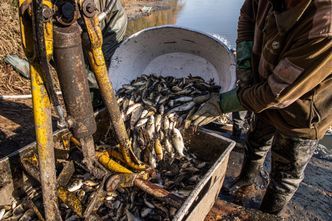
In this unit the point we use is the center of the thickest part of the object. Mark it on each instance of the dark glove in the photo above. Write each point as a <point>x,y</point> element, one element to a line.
<point>243,64</point>
<point>229,102</point>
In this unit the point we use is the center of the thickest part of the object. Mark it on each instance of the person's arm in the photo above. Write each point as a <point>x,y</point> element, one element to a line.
<point>113,27</point>
<point>300,69</point>
<point>244,43</point>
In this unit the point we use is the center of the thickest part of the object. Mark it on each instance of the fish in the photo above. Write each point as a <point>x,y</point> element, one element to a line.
<point>145,212</point>
<point>27,216</point>
<point>161,109</point>
<point>177,141</point>
<point>135,116</point>
<point>142,122</point>
<point>158,149</point>
<point>154,106</point>
<point>90,183</point>
<point>144,113</point>
<point>184,107</point>
<point>158,122</point>
<point>2,213</point>
<point>76,185</point>
<point>131,217</point>
<point>132,108</point>
<point>150,127</point>
<point>148,204</point>
<point>202,98</point>
<point>168,146</point>
<point>183,99</point>
<point>152,160</point>
<point>128,87</point>
<point>163,100</point>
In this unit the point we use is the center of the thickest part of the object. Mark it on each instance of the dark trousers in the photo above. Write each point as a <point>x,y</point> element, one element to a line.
<point>290,156</point>
<point>241,122</point>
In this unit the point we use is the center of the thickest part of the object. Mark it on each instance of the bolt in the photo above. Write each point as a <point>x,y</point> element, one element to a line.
<point>47,13</point>
<point>90,7</point>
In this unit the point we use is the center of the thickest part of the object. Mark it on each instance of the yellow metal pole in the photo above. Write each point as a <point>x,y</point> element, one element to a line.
<point>41,107</point>
<point>44,139</point>
<point>98,66</point>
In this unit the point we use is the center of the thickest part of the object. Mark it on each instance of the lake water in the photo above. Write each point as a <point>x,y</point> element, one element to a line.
<point>211,16</point>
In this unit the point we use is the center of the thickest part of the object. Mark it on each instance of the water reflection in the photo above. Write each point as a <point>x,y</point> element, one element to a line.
<point>212,16</point>
<point>161,17</point>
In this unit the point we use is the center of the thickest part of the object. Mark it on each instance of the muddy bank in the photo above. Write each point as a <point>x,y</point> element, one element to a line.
<point>136,9</point>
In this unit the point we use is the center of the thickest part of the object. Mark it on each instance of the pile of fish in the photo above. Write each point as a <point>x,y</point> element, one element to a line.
<point>16,212</point>
<point>156,108</point>
<point>133,204</point>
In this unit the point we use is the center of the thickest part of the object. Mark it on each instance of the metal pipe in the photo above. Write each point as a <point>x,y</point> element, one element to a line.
<point>160,193</point>
<point>69,60</point>
<point>44,139</point>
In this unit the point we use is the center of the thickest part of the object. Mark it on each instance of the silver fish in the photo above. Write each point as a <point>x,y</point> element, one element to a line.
<point>128,87</point>
<point>201,99</point>
<point>150,127</point>
<point>147,203</point>
<point>176,88</point>
<point>2,213</point>
<point>131,217</point>
<point>166,124</point>
<point>131,101</point>
<point>163,100</point>
<point>161,109</point>
<point>171,103</point>
<point>157,99</point>
<point>158,122</point>
<point>152,160</point>
<point>144,113</point>
<point>139,83</point>
<point>145,212</point>
<point>27,216</point>
<point>177,141</point>
<point>183,99</point>
<point>125,104</point>
<point>161,135</point>
<point>147,102</point>
<point>168,145</point>
<point>142,122</point>
<point>171,125</point>
<point>135,116</point>
<point>76,185</point>
<point>183,107</point>
<point>120,99</point>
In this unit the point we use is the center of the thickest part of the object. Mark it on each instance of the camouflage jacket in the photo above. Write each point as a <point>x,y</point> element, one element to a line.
<point>114,26</point>
<point>292,64</point>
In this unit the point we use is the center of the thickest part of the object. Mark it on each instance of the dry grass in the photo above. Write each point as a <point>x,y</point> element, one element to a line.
<point>10,43</point>
<point>11,82</point>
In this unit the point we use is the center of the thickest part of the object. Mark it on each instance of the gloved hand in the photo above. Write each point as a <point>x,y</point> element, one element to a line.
<point>215,106</point>
<point>207,112</point>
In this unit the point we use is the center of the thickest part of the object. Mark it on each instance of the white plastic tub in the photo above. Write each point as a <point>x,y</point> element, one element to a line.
<point>173,51</point>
